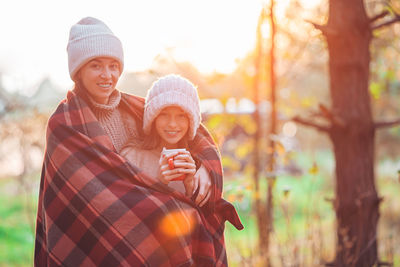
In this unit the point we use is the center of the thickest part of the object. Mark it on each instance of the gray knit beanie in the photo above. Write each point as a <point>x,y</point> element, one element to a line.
<point>91,38</point>
<point>172,90</point>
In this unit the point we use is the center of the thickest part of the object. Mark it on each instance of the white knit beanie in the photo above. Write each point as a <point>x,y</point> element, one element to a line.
<point>172,90</point>
<point>91,38</point>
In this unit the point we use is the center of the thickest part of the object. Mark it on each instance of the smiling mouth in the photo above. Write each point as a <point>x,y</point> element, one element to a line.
<point>172,133</point>
<point>105,85</point>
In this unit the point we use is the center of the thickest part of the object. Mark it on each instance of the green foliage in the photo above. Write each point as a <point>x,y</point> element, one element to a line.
<point>16,233</point>
<point>376,90</point>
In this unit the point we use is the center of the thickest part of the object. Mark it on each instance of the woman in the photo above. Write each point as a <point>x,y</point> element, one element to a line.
<point>171,119</point>
<point>96,209</point>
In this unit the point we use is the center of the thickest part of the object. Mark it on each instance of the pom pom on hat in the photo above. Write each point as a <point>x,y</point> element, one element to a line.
<point>172,90</point>
<point>91,38</point>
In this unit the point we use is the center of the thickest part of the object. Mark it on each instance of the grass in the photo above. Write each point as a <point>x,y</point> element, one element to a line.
<point>16,233</point>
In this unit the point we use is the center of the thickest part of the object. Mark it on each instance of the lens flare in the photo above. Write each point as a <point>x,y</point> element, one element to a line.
<point>178,223</point>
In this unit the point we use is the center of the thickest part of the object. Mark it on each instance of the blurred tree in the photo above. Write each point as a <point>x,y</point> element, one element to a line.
<point>385,83</point>
<point>351,128</point>
<point>22,140</point>
<point>260,206</point>
<point>271,165</point>
<point>286,42</point>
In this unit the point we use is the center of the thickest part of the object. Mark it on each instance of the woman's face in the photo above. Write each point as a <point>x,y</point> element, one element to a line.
<point>171,124</point>
<point>100,76</point>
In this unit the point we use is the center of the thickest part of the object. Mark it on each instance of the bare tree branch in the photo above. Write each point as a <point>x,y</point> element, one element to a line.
<point>327,114</point>
<point>331,117</point>
<point>379,16</point>
<point>387,23</point>
<point>315,125</point>
<point>385,124</point>
<point>330,200</point>
<point>324,29</point>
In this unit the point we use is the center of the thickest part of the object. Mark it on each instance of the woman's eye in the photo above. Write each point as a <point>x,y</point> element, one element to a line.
<point>95,66</point>
<point>114,66</point>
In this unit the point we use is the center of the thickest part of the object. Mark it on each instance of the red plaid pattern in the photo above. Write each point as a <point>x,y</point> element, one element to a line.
<point>95,209</point>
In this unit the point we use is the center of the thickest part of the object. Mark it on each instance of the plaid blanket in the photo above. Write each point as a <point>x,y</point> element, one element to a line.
<point>95,209</point>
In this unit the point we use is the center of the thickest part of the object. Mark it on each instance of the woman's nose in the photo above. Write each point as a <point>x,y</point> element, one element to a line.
<point>106,73</point>
<point>172,122</point>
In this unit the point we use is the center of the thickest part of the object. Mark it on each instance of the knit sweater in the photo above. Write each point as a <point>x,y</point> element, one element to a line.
<point>148,161</point>
<point>118,125</point>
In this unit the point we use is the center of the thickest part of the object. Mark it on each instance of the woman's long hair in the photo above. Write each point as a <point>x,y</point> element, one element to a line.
<point>80,90</point>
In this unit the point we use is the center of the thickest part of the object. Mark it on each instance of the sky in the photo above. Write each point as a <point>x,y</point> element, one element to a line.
<point>211,34</point>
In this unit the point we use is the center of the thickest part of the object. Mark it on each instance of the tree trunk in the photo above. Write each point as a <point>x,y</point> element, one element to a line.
<point>271,167</point>
<point>259,204</point>
<point>348,36</point>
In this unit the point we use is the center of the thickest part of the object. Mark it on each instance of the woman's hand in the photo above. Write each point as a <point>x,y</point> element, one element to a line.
<point>202,181</point>
<point>183,165</point>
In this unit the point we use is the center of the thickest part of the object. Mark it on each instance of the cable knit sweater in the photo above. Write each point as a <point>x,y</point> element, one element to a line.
<point>118,125</point>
